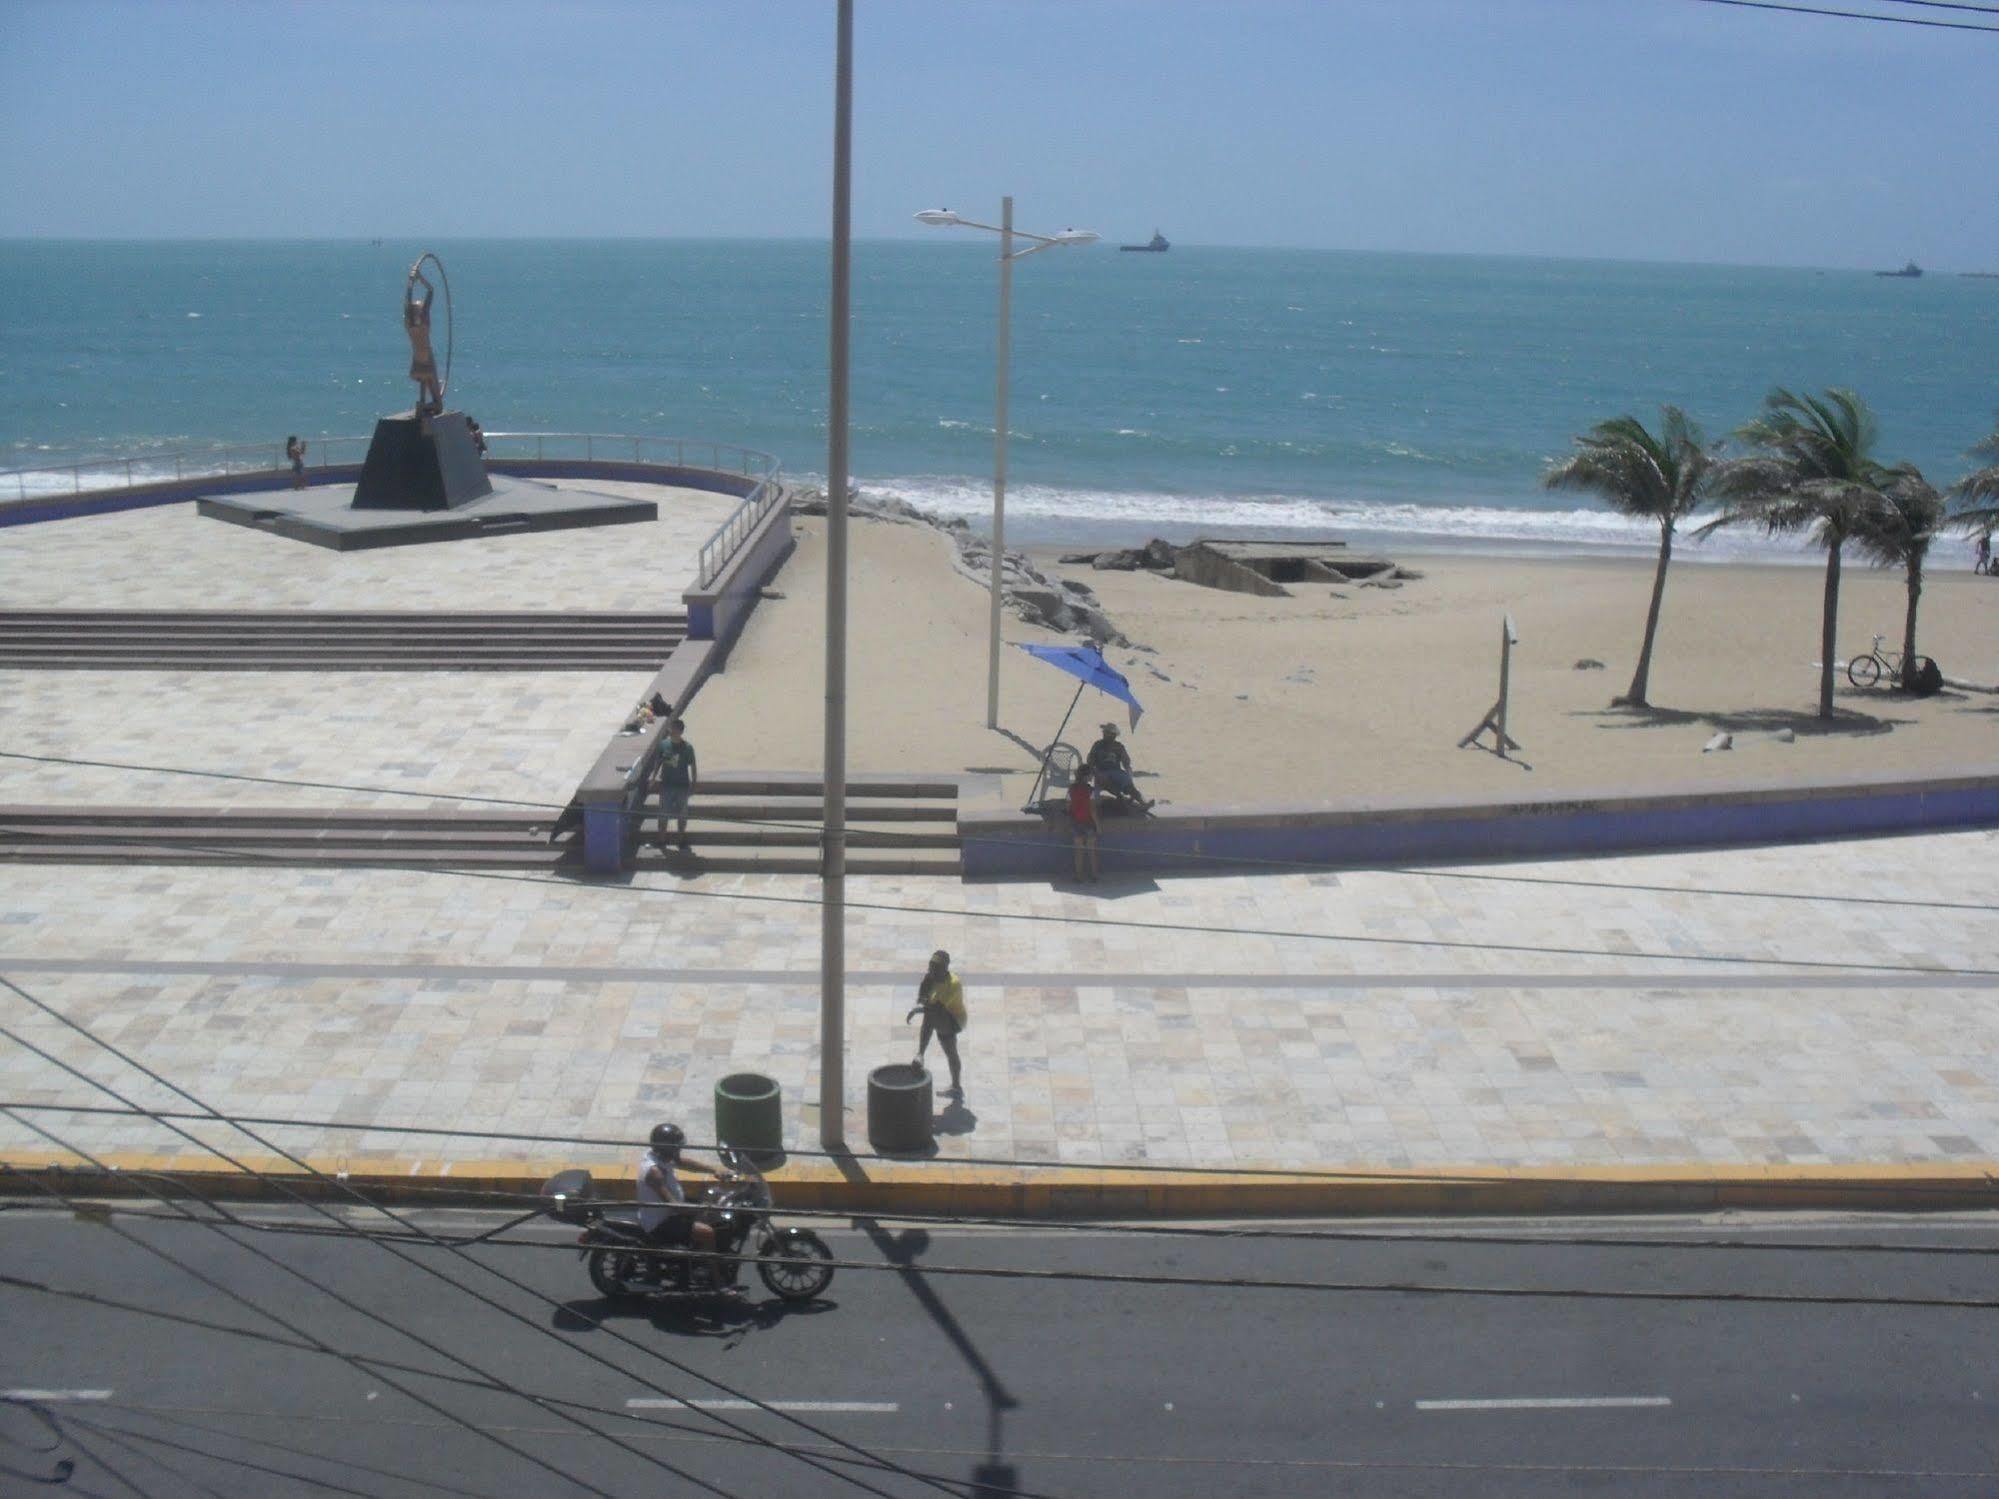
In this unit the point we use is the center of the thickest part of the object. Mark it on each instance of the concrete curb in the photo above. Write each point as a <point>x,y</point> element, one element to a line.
<point>870,1184</point>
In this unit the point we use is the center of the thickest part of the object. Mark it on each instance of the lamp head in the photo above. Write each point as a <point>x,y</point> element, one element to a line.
<point>938,216</point>
<point>1077,237</point>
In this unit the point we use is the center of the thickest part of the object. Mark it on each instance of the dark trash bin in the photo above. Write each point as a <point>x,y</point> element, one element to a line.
<point>749,1113</point>
<point>899,1104</point>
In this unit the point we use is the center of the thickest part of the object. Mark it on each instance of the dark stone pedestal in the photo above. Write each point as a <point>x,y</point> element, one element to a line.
<point>422,463</point>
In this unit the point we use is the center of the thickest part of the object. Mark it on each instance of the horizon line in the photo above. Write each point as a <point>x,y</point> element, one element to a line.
<point>941,243</point>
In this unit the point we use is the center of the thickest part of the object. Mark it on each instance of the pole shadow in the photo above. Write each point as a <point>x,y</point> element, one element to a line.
<point>995,1476</point>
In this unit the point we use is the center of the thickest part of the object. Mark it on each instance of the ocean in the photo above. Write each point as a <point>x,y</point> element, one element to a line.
<point>1401,399</point>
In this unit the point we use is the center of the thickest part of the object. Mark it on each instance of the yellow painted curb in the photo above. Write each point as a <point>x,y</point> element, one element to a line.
<point>869,1184</point>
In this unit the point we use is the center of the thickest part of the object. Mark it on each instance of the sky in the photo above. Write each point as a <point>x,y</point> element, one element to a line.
<point>1627,129</point>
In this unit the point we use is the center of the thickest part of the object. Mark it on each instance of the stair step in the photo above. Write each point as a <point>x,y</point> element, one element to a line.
<point>648,662</point>
<point>96,816</point>
<point>801,811</point>
<point>857,837</point>
<point>233,835</point>
<point>529,619</point>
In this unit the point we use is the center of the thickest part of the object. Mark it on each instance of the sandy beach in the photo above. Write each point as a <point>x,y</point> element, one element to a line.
<point>1339,693</point>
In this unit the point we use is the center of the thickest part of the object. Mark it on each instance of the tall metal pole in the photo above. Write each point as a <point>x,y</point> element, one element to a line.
<point>833,909</point>
<point>999,459</point>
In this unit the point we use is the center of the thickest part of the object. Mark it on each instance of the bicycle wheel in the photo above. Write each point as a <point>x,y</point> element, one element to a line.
<point>1864,671</point>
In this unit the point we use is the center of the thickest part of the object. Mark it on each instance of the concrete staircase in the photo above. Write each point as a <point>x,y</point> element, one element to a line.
<point>772,824</point>
<point>741,824</point>
<point>313,640</point>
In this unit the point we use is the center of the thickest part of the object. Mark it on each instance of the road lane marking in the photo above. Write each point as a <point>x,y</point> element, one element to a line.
<point>1550,1403</point>
<point>817,1407</point>
<point>52,1396</point>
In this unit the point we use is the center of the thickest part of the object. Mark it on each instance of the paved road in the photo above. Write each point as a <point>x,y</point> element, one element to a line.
<point>165,1386</point>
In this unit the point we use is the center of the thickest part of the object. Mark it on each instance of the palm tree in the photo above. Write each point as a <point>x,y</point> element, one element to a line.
<point>1814,471</point>
<point>1898,532</point>
<point>1977,493</point>
<point>1662,479</point>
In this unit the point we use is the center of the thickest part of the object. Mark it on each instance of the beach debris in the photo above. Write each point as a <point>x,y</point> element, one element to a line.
<point>1589,663</point>
<point>1719,742</point>
<point>1408,574</point>
<point>1377,583</point>
<point>770,593</point>
<point>1158,555</point>
<point>1784,736</point>
<point>1242,697</point>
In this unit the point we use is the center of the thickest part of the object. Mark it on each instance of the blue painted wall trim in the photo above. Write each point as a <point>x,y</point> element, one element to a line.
<point>605,830</point>
<point>1022,846</point>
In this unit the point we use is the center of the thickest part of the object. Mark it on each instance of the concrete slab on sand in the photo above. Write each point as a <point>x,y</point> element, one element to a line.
<point>1731,1013</point>
<point>171,558</point>
<point>326,516</point>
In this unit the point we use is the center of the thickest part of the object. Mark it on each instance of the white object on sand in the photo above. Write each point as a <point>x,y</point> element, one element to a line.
<point>1719,742</point>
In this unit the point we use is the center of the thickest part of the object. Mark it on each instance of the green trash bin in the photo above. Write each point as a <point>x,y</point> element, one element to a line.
<point>749,1113</point>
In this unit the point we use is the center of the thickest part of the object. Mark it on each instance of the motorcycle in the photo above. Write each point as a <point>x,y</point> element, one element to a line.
<point>624,1262</point>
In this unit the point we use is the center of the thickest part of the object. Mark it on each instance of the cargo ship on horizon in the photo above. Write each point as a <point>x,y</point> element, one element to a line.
<point>1157,245</point>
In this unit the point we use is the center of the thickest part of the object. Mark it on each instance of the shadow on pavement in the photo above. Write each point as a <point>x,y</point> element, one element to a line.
<point>994,1476</point>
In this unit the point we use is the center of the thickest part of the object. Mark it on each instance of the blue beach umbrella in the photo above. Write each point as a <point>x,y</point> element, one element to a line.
<point>1085,663</point>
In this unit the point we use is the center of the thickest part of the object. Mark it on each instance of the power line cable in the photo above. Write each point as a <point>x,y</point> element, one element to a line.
<point>287,1191</point>
<point>249,858</point>
<point>647,1423</point>
<point>1977,10</point>
<point>1350,1175</point>
<point>1207,1282</point>
<point>343,1187</point>
<point>319,1344</point>
<point>1856,15</point>
<point>1206,861</point>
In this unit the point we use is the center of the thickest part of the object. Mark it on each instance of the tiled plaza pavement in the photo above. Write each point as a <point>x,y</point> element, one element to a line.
<point>169,557</point>
<point>1830,1003</point>
<point>522,735</point>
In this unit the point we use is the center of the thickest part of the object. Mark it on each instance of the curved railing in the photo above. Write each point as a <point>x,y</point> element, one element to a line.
<point>96,475</point>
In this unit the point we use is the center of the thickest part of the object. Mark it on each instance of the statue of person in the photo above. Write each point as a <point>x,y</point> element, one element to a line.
<point>423,362</point>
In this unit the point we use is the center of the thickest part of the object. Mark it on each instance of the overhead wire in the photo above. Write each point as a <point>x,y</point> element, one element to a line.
<point>345,1188</point>
<point>1835,965</point>
<point>646,1424</point>
<point>1858,15</point>
<point>1206,862</point>
<point>354,1308</point>
<point>1357,1175</point>
<point>311,1339</point>
<point>1178,1281</point>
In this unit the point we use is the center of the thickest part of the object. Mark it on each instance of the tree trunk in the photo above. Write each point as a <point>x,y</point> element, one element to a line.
<point>1909,626</point>
<point>1641,677</point>
<point>1830,633</point>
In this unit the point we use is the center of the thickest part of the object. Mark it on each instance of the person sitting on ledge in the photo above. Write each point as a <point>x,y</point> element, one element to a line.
<point>1110,761</point>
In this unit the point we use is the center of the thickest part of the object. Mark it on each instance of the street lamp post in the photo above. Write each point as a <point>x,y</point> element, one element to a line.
<point>944,217</point>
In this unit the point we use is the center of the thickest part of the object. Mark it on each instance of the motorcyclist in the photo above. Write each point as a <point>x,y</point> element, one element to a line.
<point>663,1213</point>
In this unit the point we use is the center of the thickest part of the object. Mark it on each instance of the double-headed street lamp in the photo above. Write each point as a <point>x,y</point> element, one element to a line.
<point>944,217</point>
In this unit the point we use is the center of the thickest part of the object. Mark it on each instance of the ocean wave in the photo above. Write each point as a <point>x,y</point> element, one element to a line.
<point>1055,511</point>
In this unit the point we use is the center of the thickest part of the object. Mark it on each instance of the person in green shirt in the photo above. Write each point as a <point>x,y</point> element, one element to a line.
<point>941,999</point>
<point>677,777</point>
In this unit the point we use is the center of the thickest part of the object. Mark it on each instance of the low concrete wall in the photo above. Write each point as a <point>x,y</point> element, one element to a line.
<point>1002,842</point>
<point>719,611</point>
<point>609,796</point>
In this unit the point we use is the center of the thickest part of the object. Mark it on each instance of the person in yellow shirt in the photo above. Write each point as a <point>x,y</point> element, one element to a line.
<point>940,997</point>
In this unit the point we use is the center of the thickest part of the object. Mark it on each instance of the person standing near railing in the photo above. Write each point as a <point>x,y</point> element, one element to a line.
<point>295,456</point>
<point>677,776</point>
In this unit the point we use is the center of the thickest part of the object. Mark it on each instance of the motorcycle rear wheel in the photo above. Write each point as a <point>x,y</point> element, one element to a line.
<point>612,1272</point>
<point>796,1268</point>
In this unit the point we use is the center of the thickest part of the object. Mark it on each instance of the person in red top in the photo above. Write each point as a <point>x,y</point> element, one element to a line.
<point>1083,826</point>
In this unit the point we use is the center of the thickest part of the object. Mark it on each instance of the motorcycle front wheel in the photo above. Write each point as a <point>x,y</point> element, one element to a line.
<point>612,1271</point>
<point>795,1267</point>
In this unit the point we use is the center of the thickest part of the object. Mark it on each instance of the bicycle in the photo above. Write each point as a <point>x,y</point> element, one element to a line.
<point>1866,671</point>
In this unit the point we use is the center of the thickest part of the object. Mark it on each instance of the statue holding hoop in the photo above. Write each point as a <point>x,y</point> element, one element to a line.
<point>427,458</point>
<point>416,323</point>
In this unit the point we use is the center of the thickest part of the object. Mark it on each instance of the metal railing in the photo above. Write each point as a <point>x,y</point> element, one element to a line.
<point>112,472</point>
